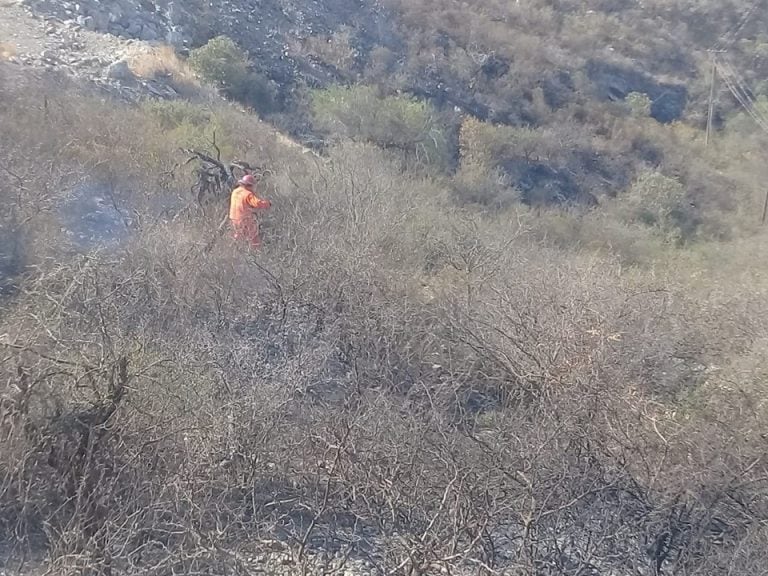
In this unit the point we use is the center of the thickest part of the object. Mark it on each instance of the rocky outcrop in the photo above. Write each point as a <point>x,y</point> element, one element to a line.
<point>139,19</point>
<point>120,70</point>
<point>265,28</point>
<point>71,49</point>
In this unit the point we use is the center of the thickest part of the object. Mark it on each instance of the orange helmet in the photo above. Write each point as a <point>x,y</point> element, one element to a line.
<point>247,181</point>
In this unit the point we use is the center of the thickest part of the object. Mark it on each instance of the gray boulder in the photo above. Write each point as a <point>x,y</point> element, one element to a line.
<point>100,20</point>
<point>86,22</point>
<point>49,56</point>
<point>148,33</point>
<point>120,71</point>
<point>133,28</point>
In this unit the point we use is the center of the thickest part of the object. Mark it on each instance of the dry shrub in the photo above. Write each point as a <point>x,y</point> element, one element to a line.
<point>159,60</point>
<point>123,153</point>
<point>176,405</point>
<point>336,49</point>
<point>484,186</point>
<point>490,427</point>
<point>162,62</point>
<point>485,144</point>
<point>381,62</point>
<point>600,233</point>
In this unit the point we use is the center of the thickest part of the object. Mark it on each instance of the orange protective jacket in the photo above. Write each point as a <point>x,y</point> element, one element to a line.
<point>242,203</point>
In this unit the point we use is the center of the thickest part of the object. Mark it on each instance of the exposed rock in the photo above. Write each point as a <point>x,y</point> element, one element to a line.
<point>161,90</point>
<point>86,22</point>
<point>100,20</point>
<point>120,71</point>
<point>134,28</point>
<point>148,33</point>
<point>116,29</point>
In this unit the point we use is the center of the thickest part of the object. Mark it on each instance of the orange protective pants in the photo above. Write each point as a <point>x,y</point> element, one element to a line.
<point>246,231</point>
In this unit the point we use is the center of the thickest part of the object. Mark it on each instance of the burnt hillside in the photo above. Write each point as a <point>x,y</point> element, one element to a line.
<point>509,315</point>
<point>492,59</point>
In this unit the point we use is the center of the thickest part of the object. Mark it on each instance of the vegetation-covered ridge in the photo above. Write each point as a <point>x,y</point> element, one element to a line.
<point>588,97</point>
<point>550,103</point>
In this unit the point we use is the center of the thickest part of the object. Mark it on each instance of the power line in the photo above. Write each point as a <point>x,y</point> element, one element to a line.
<point>711,112</point>
<point>736,84</point>
<point>742,85</point>
<point>743,101</point>
<point>738,88</point>
<point>742,95</point>
<point>729,37</point>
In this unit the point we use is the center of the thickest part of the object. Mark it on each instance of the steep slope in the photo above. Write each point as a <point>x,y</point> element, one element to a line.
<point>268,29</point>
<point>486,56</point>
<point>43,43</point>
<point>585,77</point>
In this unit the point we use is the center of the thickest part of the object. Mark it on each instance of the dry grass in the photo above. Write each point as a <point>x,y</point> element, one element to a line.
<point>159,60</point>
<point>163,63</point>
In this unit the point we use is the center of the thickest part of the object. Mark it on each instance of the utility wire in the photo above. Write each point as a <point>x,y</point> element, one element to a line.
<point>743,99</point>
<point>733,80</point>
<point>729,75</point>
<point>742,85</point>
<point>746,94</point>
<point>739,96</point>
<point>729,37</point>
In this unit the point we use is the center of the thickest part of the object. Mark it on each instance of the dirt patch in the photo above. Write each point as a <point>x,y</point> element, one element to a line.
<point>7,51</point>
<point>20,34</point>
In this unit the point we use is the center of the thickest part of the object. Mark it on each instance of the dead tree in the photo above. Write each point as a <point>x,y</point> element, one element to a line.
<point>213,180</point>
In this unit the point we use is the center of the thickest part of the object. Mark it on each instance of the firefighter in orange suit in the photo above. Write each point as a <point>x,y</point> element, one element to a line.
<point>242,206</point>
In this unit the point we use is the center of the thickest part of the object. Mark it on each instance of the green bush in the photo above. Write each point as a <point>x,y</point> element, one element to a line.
<point>221,63</point>
<point>639,104</point>
<point>399,123</point>
<point>659,202</point>
<point>190,125</point>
